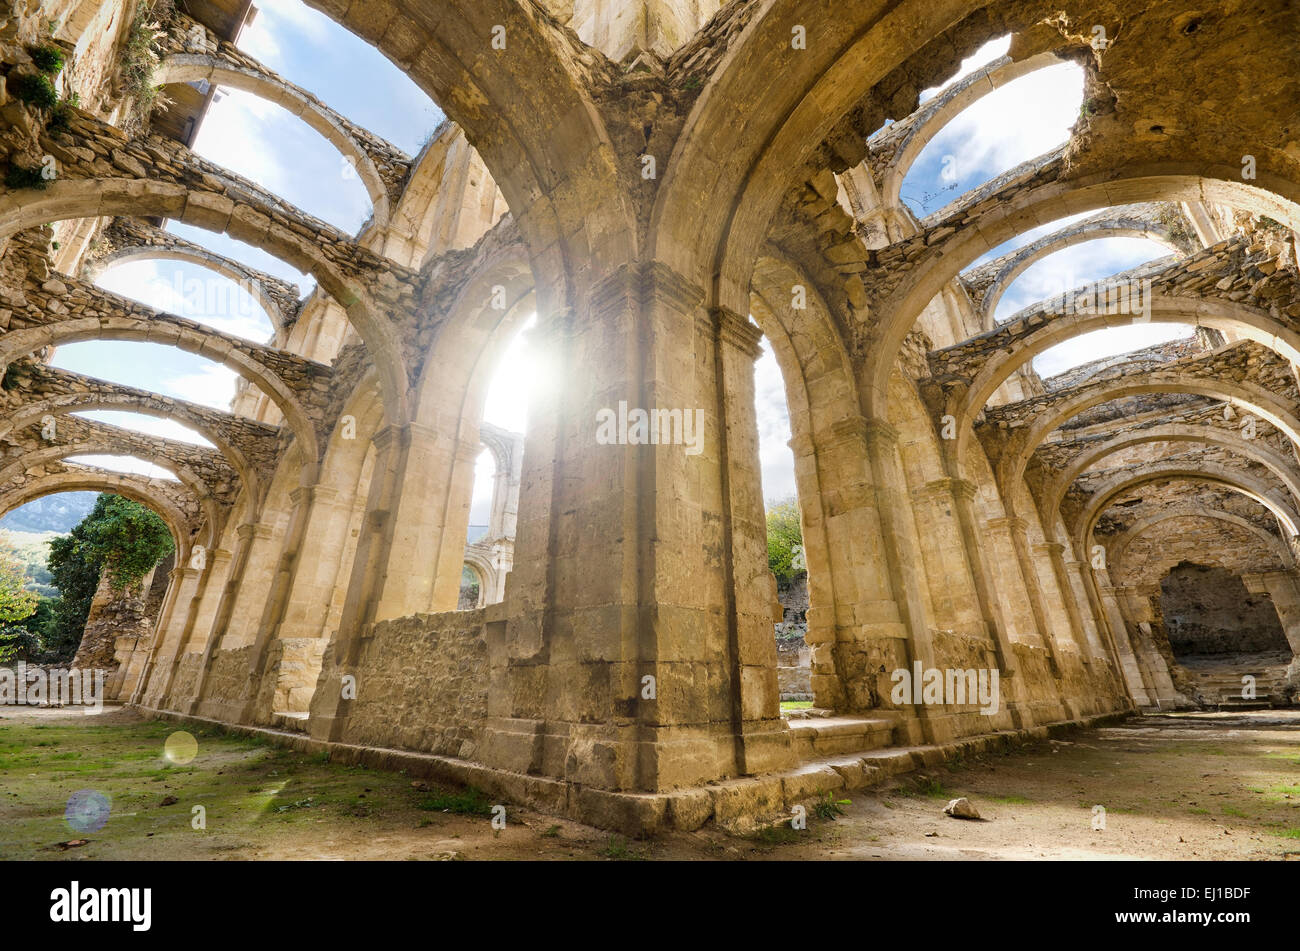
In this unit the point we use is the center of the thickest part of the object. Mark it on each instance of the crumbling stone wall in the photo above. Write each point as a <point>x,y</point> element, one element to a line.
<point>1207,610</point>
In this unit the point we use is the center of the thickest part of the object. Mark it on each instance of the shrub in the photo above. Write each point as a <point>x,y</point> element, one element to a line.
<point>18,177</point>
<point>35,90</point>
<point>48,59</point>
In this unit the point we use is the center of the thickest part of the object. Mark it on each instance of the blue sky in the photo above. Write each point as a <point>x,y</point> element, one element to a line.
<point>267,145</point>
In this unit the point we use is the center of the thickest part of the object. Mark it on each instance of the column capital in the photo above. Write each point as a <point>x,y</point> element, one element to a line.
<point>1051,549</point>
<point>1012,523</point>
<point>737,331</point>
<point>878,433</point>
<point>251,530</point>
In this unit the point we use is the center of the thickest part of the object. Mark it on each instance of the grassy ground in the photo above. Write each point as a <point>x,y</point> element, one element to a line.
<point>1211,786</point>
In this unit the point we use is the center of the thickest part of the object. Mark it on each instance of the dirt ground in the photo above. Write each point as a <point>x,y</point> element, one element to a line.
<point>1199,786</point>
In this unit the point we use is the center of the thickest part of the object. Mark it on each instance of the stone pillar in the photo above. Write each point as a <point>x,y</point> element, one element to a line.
<point>901,560</point>
<point>963,495</point>
<point>1054,552</point>
<point>1092,621</point>
<point>176,579</point>
<point>1283,589</point>
<point>198,619</point>
<point>1133,671</point>
<point>637,652</point>
<point>1018,530</point>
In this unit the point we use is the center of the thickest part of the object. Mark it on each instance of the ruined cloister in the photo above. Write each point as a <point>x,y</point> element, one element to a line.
<point>664,184</point>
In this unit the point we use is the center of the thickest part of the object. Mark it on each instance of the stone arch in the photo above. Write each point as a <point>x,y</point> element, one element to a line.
<point>89,198</point>
<point>1069,237</point>
<point>511,116</point>
<point>216,263</point>
<point>203,67</point>
<point>188,478</point>
<point>828,441</point>
<point>1252,323</point>
<point>477,561</point>
<point>1050,200</point>
<point>931,118</point>
<point>1285,558</point>
<point>1242,482</point>
<point>1257,400</point>
<point>1275,462</point>
<point>191,339</point>
<point>131,403</point>
<point>88,479</point>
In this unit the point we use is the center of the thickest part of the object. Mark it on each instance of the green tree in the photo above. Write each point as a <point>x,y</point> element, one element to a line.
<point>16,604</point>
<point>119,536</point>
<point>784,540</point>
<point>127,538</point>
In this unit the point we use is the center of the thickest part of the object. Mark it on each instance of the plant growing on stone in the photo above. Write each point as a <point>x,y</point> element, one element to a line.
<point>48,59</point>
<point>128,538</point>
<point>140,56</point>
<point>18,177</point>
<point>35,90</point>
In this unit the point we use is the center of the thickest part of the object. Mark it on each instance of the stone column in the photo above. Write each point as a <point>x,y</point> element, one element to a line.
<point>180,592</point>
<point>198,619</point>
<point>1283,589</point>
<point>901,560</point>
<point>1054,552</point>
<point>637,652</point>
<point>1133,670</point>
<point>1017,529</point>
<point>963,495</point>
<point>1092,621</point>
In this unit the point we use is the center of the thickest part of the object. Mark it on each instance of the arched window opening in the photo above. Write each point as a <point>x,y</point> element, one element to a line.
<point>195,293</point>
<point>151,366</point>
<point>293,40</point>
<point>498,472</point>
<point>269,146</point>
<point>786,558</point>
<point>986,139</point>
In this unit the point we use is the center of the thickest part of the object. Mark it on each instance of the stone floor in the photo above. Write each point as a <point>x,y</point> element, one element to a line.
<point>1196,786</point>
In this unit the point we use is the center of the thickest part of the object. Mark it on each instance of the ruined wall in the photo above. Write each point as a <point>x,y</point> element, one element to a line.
<point>421,684</point>
<point>1207,610</point>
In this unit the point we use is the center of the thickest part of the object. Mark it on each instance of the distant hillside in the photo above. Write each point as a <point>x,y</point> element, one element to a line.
<point>54,513</point>
<point>31,550</point>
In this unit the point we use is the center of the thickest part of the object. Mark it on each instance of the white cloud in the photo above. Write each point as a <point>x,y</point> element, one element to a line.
<point>149,425</point>
<point>213,385</point>
<point>127,464</point>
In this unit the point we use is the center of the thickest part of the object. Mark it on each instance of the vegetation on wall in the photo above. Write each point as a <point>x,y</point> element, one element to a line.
<point>140,57</point>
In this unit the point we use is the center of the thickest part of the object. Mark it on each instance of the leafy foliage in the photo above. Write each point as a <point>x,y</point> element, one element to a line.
<point>16,604</point>
<point>48,59</point>
<point>119,536</point>
<point>127,538</point>
<point>140,57</point>
<point>35,90</point>
<point>784,540</point>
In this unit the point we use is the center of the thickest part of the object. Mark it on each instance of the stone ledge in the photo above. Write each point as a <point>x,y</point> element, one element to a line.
<point>737,805</point>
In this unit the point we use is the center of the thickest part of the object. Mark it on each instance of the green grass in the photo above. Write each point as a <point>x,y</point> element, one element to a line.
<point>796,705</point>
<point>470,802</point>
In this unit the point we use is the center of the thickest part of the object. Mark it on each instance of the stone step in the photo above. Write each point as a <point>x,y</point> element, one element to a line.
<point>828,736</point>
